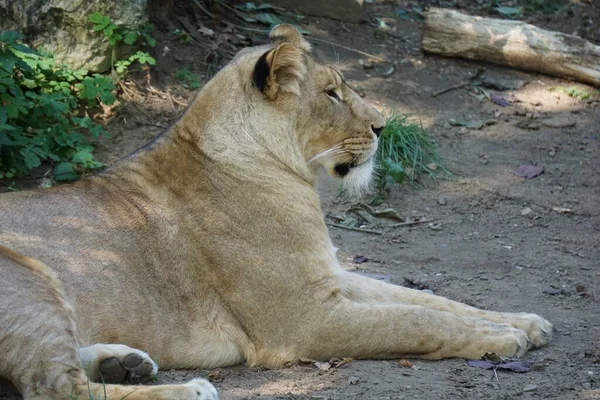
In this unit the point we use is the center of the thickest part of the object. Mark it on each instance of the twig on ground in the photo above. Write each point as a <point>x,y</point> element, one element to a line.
<point>381,59</point>
<point>417,222</point>
<point>448,89</point>
<point>204,10</point>
<point>351,228</point>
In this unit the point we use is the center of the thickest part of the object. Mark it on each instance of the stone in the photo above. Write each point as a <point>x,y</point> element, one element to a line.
<point>341,10</point>
<point>529,388</point>
<point>62,27</point>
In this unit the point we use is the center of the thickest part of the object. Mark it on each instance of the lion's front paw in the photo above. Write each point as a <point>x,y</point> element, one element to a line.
<point>502,339</point>
<point>537,328</point>
<point>202,390</point>
<point>511,342</point>
<point>116,363</point>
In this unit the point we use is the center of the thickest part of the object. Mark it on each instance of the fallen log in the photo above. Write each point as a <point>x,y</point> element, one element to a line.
<point>513,43</point>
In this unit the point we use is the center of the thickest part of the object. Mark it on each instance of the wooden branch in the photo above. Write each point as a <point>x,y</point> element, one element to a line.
<point>513,43</point>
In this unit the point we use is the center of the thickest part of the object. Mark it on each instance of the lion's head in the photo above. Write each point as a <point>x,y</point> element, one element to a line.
<point>298,107</point>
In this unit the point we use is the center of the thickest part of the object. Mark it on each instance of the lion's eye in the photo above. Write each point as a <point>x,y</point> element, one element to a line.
<point>331,93</point>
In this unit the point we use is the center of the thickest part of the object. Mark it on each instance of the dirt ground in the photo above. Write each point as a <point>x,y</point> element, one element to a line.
<point>499,241</point>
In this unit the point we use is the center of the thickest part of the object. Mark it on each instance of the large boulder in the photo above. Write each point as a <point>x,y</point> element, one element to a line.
<point>62,26</point>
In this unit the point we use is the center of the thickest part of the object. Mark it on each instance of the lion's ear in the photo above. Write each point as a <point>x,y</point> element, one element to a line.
<point>285,33</point>
<point>280,70</point>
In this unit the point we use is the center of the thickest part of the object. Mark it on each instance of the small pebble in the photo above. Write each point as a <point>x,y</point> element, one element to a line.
<point>353,380</point>
<point>427,291</point>
<point>529,388</point>
<point>442,200</point>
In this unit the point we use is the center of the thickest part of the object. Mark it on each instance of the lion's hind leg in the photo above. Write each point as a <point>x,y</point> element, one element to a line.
<point>39,345</point>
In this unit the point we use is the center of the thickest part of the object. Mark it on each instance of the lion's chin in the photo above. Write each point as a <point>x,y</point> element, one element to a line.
<point>357,180</point>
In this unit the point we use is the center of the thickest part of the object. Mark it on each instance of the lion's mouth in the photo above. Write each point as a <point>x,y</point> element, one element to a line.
<point>343,169</point>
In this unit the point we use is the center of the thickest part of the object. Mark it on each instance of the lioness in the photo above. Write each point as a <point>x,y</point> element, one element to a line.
<point>207,248</point>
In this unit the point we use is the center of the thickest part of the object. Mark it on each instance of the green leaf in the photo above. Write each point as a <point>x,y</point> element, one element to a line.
<point>64,171</point>
<point>108,31</point>
<point>107,98</point>
<point>4,139</point>
<point>84,156</point>
<point>130,37</point>
<point>267,18</point>
<point>377,200</point>
<point>509,11</point>
<point>10,37</point>
<point>29,83</point>
<point>149,39</point>
<point>96,18</point>
<point>31,159</point>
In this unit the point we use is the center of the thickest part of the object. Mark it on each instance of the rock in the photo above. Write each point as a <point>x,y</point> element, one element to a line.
<point>427,291</point>
<point>529,388</point>
<point>62,27</point>
<point>526,211</point>
<point>353,380</point>
<point>502,83</point>
<point>342,10</point>
<point>442,200</point>
<point>559,122</point>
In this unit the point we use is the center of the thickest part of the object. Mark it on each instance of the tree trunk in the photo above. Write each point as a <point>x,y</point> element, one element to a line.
<point>512,43</point>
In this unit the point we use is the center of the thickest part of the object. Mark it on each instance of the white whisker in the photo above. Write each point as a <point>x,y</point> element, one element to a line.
<point>331,151</point>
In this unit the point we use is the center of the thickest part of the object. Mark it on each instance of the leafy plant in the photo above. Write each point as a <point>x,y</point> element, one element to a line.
<point>188,78</point>
<point>251,12</point>
<point>183,36</point>
<point>405,152</point>
<point>117,35</point>
<point>544,6</point>
<point>575,92</point>
<point>43,112</point>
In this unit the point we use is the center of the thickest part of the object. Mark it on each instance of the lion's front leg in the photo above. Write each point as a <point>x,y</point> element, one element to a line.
<point>115,363</point>
<point>351,329</point>
<point>371,291</point>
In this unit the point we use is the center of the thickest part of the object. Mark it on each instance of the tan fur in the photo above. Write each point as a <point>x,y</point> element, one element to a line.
<point>208,248</point>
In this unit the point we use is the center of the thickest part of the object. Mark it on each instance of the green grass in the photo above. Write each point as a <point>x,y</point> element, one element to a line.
<point>406,153</point>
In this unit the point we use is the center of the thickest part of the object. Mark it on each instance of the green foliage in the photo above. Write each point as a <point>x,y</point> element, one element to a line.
<point>117,35</point>
<point>251,12</point>
<point>576,92</point>
<point>183,36</point>
<point>544,6</point>
<point>188,78</point>
<point>405,151</point>
<point>42,112</point>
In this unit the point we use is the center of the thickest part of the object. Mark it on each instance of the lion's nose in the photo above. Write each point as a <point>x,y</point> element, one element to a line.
<point>377,131</point>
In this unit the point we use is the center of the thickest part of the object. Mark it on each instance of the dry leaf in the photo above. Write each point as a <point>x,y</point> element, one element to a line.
<point>405,363</point>
<point>337,363</point>
<point>562,210</point>
<point>323,366</point>
<point>215,376</point>
<point>206,31</point>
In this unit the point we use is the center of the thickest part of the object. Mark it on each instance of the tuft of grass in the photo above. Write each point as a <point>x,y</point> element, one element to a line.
<point>406,153</point>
